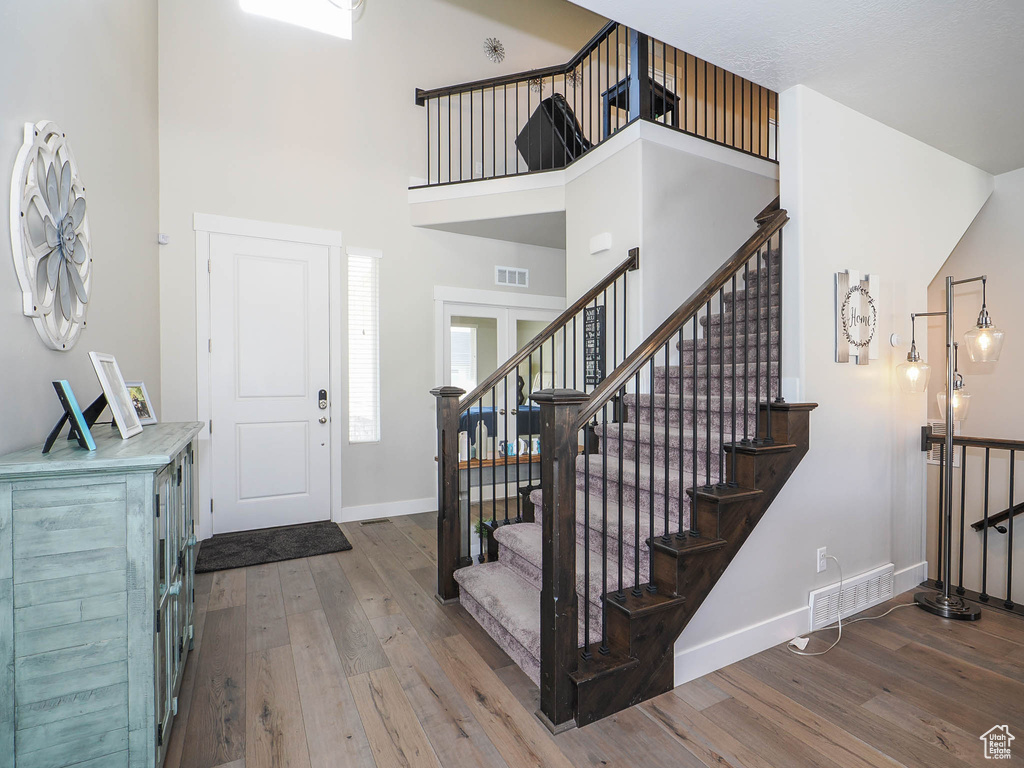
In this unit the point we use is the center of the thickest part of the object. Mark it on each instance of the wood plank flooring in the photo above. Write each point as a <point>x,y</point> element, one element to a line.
<point>348,660</point>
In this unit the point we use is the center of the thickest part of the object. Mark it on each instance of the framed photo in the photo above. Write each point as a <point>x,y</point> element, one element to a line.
<point>140,399</point>
<point>120,404</point>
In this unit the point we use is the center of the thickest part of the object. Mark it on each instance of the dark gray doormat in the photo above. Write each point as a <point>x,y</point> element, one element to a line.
<point>270,545</point>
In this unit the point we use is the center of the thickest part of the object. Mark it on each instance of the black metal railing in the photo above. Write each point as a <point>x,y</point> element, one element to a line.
<point>981,559</point>
<point>545,119</point>
<point>663,422</point>
<point>488,483</point>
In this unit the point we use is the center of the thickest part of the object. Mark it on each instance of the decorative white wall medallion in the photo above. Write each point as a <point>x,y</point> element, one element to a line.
<point>50,236</point>
<point>856,317</point>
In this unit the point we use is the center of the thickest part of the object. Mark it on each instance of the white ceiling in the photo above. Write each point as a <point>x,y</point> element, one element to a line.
<point>947,72</point>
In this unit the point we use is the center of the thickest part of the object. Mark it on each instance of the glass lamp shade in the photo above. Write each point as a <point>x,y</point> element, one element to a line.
<point>913,376</point>
<point>961,402</point>
<point>984,344</point>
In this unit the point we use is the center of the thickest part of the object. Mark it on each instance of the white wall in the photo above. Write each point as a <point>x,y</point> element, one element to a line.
<point>861,196</point>
<point>266,121</point>
<point>696,213</point>
<point>91,68</point>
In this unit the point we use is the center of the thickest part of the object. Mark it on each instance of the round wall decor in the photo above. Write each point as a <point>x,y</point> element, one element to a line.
<point>50,236</point>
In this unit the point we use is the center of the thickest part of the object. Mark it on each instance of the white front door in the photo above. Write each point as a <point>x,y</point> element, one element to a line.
<point>269,361</point>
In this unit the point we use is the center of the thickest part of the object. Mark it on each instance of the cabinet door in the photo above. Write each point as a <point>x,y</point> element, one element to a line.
<point>166,566</point>
<point>189,549</point>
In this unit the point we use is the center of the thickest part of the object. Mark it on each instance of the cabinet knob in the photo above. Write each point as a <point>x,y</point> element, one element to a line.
<point>175,588</point>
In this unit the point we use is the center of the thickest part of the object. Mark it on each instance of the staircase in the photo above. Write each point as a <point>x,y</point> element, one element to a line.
<point>685,445</point>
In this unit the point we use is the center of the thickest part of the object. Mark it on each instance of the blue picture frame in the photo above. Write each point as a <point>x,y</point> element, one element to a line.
<point>73,413</point>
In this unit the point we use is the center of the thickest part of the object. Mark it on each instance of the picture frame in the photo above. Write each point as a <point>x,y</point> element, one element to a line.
<point>120,404</point>
<point>139,396</point>
<point>72,413</point>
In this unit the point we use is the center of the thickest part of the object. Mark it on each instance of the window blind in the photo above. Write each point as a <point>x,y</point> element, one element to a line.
<point>463,354</point>
<point>363,347</point>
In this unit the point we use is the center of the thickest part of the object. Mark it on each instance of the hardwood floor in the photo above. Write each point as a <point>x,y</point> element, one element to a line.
<point>348,660</point>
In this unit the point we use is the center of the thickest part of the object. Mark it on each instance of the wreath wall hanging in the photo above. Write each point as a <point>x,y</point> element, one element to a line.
<point>856,317</point>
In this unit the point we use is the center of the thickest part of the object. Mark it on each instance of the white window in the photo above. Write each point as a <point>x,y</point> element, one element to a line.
<point>363,345</point>
<point>332,17</point>
<point>464,357</point>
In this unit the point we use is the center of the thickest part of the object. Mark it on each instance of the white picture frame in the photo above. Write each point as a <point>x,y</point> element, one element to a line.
<point>139,396</point>
<point>120,404</point>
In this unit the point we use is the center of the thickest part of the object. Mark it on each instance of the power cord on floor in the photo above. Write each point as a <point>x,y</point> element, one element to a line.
<point>797,644</point>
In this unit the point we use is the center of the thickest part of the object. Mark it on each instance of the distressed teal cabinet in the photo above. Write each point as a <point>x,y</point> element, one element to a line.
<point>97,556</point>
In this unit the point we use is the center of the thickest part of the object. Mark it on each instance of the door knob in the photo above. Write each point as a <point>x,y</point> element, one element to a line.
<point>323,419</point>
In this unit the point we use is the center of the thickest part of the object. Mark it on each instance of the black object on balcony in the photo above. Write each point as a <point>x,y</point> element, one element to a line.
<point>552,137</point>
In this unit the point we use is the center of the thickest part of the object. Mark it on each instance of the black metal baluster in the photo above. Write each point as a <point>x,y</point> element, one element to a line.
<point>650,476</point>
<point>768,345</point>
<point>665,536</point>
<point>481,454</point>
<point>732,405</point>
<point>778,344</point>
<point>721,387</point>
<point>505,452</point>
<point>516,154</point>
<point>427,105</point>
<point>529,393</point>
<point>637,592</point>
<point>620,595</point>
<point>757,352</point>
<point>494,133</point>
<point>746,355</point>
<point>586,546</point>
<point>680,533</point>
<point>565,353</point>
<point>604,529</point>
<point>963,498</point>
<point>942,486</point>
<point>1008,603</point>
<point>985,534</point>
<point>707,393</point>
<point>693,426</point>
<point>494,459</point>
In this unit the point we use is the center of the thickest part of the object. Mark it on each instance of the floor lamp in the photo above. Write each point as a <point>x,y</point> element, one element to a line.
<point>984,343</point>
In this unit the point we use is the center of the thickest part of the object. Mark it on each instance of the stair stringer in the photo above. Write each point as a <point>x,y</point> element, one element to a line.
<point>643,630</point>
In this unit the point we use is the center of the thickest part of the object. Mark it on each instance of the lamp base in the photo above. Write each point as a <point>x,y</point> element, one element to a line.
<point>952,607</point>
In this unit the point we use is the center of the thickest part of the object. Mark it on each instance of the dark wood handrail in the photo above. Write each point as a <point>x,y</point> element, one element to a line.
<point>929,438</point>
<point>998,517</point>
<point>513,362</point>
<point>492,82</point>
<point>770,223</point>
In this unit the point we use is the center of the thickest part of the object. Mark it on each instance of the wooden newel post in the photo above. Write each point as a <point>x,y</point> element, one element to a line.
<point>559,632</point>
<point>448,525</point>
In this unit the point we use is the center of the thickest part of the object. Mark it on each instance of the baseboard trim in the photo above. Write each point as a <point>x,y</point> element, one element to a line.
<point>699,660</point>
<point>910,577</point>
<point>388,509</point>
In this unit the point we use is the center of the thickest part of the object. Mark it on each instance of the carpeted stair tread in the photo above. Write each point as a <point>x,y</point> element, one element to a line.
<point>507,606</point>
<point>525,542</point>
<point>631,531</point>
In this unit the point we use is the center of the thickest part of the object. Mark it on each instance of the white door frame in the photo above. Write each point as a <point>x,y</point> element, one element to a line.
<point>444,295</point>
<point>209,224</point>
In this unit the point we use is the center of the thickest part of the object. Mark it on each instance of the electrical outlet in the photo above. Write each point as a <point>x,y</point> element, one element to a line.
<point>821,559</point>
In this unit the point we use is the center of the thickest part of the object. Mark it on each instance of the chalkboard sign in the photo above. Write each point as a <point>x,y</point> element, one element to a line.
<point>593,345</point>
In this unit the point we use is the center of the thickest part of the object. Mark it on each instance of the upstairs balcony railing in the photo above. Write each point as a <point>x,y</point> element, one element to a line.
<point>547,118</point>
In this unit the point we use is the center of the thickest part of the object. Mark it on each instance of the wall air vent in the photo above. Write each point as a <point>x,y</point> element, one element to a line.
<point>859,593</point>
<point>511,276</point>
<point>939,428</point>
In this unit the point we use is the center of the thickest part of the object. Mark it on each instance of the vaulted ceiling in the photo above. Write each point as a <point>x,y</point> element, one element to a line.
<point>947,72</point>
